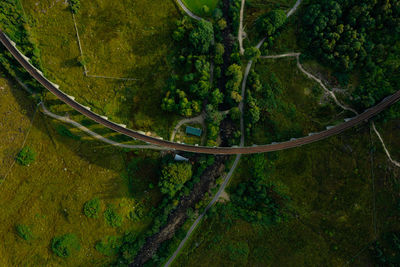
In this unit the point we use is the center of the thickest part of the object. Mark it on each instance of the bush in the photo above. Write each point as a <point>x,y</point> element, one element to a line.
<point>112,217</point>
<point>92,208</point>
<point>109,246</point>
<point>174,175</point>
<point>75,5</point>
<point>26,156</point>
<point>24,232</point>
<point>63,246</point>
<point>252,53</point>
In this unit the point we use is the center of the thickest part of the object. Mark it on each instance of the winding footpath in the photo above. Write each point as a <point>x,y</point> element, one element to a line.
<point>237,158</point>
<point>93,134</point>
<point>333,96</point>
<point>187,11</point>
<point>240,31</point>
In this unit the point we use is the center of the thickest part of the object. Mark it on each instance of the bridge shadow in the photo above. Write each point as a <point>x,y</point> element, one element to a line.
<point>66,148</point>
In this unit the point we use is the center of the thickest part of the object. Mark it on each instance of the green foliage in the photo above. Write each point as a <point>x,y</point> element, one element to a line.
<point>109,245</point>
<point>271,22</point>
<point>24,231</point>
<point>13,23</point>
<point>219,52</point>
<point>63,246</point>
<point>234,74</point>
<point>92,208</point>
<point>357,36</point>
<point>190,85</point>
<point>173,176</point>
<point>64,131</point>
<point>255,200</point>
<point>75,5</point>
<point>111,216</point>
<point>201,36</point>
<point>26,156</point>
<point>252,53</point>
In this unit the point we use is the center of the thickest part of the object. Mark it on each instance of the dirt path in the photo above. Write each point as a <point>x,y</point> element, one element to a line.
<point>240,32</point>
<point>187,11</point>
<point>198,119</point>
<point>95,135</point>
<point>333,96</point>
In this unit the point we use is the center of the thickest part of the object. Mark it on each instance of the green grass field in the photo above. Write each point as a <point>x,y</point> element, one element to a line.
<point>125,39</point>
<point>330,188</point>
<point>196,6</point>
<point>48,196</point>
<point>301,107</point>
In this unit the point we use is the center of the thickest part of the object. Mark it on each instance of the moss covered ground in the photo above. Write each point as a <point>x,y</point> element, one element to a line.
<point>196,6</point>
<point>48,195</point>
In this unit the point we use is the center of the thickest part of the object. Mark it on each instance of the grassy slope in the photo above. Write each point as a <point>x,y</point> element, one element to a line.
<point>300,94</point>
<point>49,194</point>
<point>123,39</point>
<point>330,186</point>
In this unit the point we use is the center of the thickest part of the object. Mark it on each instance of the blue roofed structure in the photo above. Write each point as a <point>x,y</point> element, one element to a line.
<point>193,131</point>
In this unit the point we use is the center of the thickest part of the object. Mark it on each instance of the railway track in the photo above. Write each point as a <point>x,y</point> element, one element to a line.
<point>36,74</point>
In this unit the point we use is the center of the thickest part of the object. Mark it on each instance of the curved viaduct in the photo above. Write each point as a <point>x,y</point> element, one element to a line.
<point>35,73</point>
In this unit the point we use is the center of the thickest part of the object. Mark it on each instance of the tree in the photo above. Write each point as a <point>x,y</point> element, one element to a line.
<point>24,231</point>
<point>75,5</point>
<point>252,53</point>
<point>234,72</point>
<point>112,217</point>
<point>65,245</point>
<point>205,9</point>
<point>26,156</point>
<point>173,176</point>
<point>216,97</point>
<point>92,208</point>
<point>271,22</point>
<point>222,24</point>
<point>201,36</point>
<point>178,34</point>
<point>217,13</point>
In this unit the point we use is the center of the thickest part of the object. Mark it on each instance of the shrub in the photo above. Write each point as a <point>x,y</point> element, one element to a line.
<point>109,246</point>
<point>112,217</point>
<point>174,175</point>
<point>92,208</point>
<point>63,246</point>
<point>64,131</point>
<point>24,231</point>
<point>26,156</point>
<point>75,5</point>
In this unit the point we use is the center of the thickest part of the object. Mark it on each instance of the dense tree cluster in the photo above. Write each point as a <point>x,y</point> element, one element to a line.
<point>256,200</point>
<point>360,36</point>
<point>234,74</point>
<point>174,176</point>
<point>270,22</point>
<point>190,85</point>
<point>234,14</point>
